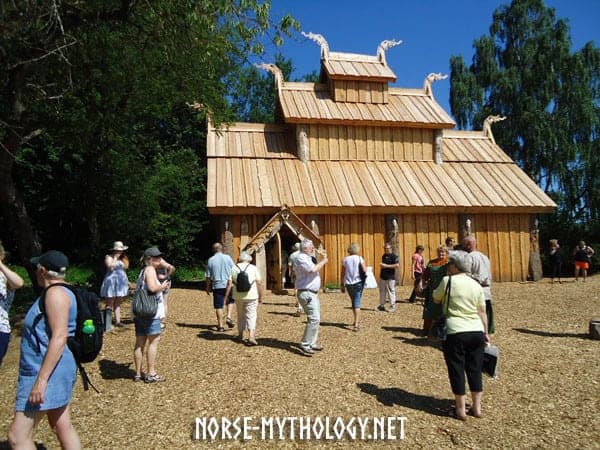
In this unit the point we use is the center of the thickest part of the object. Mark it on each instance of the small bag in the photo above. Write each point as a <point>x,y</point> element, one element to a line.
<point>143,304</point>
<point>490,360</point>
<point>440,329</point>
<point>362,274</point>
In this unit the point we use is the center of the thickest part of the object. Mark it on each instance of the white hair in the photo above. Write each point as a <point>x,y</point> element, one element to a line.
<point>245,257</point>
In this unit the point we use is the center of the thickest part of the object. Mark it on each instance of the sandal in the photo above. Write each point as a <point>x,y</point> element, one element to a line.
<point>229,322</point>
<point>137,378</point>
<point>452,413</point>
<point>220,329</point>
<point>154,379</point>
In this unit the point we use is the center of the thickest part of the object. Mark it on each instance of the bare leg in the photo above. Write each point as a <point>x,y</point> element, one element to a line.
<point>117,309</point>
<point>356,312</point>
<point>20,433</point>
<point>459,406</point>
<point>476,407</point>
<point>151,353</point>
<point>219,313</point>
<point>138,354</point>
<point>60,422</point>
<point>230,310</point>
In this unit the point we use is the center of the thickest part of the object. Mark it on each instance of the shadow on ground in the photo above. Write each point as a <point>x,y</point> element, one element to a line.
<point>397,396</point>
<point>551,334</point>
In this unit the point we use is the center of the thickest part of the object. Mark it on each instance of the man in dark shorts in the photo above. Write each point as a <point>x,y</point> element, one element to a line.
<point>218,270</point>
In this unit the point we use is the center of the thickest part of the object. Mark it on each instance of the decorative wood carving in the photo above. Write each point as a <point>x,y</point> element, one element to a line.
<point>535,261</point>
<point>439,150</point>
<point>276,71</point>
<point>386,45</point>
<point>429,79</point>
<point>487,125</point>
<point>227,238</point>
<point>302,144</point>
<point>319,39</point>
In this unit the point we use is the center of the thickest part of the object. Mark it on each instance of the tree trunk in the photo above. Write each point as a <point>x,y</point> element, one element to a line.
<point>12,204</point>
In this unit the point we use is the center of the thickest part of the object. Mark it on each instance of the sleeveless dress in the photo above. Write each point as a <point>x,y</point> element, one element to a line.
<point>61,382</point>
<point>115,283</point>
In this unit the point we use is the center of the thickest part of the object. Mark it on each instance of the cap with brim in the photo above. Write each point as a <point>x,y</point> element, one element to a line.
<point>52,260</point>
<point>152,251</point>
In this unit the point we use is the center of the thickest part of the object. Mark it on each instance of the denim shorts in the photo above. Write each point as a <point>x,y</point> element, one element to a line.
<point>148,327</point>
<point>355,293</point>
<point>219,298</point>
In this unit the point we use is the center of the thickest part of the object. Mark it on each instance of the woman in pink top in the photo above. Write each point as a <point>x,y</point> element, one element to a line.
<point>418,264</point>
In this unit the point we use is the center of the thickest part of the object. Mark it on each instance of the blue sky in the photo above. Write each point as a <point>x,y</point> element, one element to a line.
<point>431,31</point>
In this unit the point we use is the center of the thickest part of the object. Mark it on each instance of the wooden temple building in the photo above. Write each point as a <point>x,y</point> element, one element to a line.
<point>353,159</point>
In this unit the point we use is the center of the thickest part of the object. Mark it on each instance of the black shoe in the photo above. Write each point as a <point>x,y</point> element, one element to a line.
<point>229,322</point>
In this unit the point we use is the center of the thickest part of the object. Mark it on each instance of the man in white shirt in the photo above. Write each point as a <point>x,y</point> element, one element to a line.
<point>308,284</point>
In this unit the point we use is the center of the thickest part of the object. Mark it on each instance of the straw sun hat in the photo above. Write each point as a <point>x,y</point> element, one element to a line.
<point>119,247</point>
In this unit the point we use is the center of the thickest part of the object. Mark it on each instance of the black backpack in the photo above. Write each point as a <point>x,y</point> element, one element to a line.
<point>242,283</point>
<point>85,347</point>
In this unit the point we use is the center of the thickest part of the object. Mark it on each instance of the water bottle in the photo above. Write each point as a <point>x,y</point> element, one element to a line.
<point>88,327</point>
<point>88,338</point>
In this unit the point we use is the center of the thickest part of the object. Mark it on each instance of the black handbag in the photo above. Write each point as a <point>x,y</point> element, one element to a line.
<point>490,360</point>
<point>440,329</point>
<point>362,274</point>
<point>143,304</point>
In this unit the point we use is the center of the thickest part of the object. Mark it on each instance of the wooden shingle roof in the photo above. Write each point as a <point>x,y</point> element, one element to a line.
<point>312,103</point>
<point>250,171</point>
<point>350,66</point>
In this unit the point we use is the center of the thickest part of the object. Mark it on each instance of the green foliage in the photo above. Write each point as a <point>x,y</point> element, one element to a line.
<point>93,109</point>
<point>525,70</point>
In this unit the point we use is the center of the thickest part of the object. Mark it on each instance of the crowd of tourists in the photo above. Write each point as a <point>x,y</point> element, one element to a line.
<point>455,286</point>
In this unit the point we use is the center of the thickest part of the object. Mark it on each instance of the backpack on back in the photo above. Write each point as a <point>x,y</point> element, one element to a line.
<point>242,282</point>
<point>87,341</point>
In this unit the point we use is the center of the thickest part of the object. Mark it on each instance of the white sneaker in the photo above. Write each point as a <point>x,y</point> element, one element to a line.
<point>392,309</point>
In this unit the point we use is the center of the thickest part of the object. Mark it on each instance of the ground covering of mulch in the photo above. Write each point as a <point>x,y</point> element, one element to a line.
<point>547,394</point>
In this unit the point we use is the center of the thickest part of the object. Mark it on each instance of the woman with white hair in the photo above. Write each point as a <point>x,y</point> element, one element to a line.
<point>47,369</point>
<point>463,303</point>
<point>247,301</point>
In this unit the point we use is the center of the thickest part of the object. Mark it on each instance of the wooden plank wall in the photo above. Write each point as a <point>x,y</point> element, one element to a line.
<point>342,142</point>
<point>503,237</point>
<point>359,91</point>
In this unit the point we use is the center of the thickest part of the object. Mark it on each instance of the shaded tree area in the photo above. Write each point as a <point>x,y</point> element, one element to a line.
<point>96,141</point>
<point>526,70</point>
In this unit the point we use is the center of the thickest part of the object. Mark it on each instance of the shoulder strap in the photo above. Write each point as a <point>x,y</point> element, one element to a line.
<point>242,270</point>
<point>447,294</point>
<point>42,314</point>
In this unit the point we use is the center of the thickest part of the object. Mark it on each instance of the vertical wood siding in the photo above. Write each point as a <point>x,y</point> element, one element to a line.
<point>503,237</point>
<point>341,142</point>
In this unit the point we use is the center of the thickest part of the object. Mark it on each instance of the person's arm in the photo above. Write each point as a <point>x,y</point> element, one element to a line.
<point>261,289</point>
<point>165,265</point>
<point>152,282</point>
<point>57,304</point>
<point>440,291</point>
<point>110,262</point>
<point>125,260</point>
<point>208,285</point>
<point>590,251</point>
<point>319,265</point>
<point>229,288</point>
<point>412,268</point>
<point>13,280</point>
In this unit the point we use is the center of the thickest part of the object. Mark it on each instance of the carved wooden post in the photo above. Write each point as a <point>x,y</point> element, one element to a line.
<point>535,262</point>
<point>392,235</point>
<point>465,222</point>
<point>227,238</point>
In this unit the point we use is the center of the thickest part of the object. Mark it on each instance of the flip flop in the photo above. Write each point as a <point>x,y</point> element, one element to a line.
<point>452,413</point>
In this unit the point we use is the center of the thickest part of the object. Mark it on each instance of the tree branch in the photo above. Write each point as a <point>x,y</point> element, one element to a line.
<point>56,50</point>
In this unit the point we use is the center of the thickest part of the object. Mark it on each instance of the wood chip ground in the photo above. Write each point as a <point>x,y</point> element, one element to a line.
<point>547,394</point>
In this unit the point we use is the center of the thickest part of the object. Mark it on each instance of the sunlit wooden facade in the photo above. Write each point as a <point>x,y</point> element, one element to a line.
<point>356,160</point>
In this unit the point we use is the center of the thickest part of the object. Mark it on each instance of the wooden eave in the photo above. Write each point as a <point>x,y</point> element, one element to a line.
<point>312,103</point>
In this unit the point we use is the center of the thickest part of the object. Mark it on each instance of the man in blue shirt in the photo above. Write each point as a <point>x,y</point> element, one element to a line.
<point>218,270</point>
